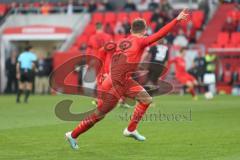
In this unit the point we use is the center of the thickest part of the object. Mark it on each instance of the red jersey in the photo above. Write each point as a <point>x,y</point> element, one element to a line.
<point>106,58</point>
<point>130,50</point>
<point>180,68</point>
<point>180,65</point>
<point>97,41</point>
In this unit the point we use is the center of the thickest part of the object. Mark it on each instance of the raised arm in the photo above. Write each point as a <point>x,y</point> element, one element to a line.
<point>165,30</point>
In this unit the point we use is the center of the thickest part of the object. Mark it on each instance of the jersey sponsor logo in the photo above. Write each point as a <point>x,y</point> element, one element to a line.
<point>124,45</point>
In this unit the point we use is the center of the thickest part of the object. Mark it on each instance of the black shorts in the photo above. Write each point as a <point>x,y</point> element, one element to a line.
<point>26,75</point>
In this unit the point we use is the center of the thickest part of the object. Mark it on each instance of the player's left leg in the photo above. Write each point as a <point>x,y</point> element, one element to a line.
<point>28,91</point>
<point>144,101</point>
<point>190,82</point>
<point>21,86</point>
<point>191,89</point>
<point>20,91</point>
<point>107,102</point>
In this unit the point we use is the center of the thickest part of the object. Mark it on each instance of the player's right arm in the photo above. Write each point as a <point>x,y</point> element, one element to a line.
<point>165,30</point>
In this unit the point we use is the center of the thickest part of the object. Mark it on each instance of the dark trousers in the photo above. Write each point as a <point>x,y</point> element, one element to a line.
<point>12,84</point>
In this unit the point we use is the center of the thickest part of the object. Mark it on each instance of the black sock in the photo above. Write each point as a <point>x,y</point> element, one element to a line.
<point>19,95</point>
<point>27,93</point>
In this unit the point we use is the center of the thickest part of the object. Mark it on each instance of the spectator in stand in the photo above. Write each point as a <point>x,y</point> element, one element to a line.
<point>108,5</point>
<point>149,31</point>
<point>10,67</point>
<point>92,6</point>
<point>130,6</point>
<point>101,7</point>
<point>80,6</point>
<point>31,8</point>
<point>156,15</point>
<point>165,6</point>
<point>70,7</point>
<point>170,38</point>
<point>199,64</point>
<point>160,24</point>
<point>108,29</point>
<point>229,25</point>
<point>14,7</point>
<point>143,5</point>
<point>119,28</point>
<point>20,9</point>
<point>181,40</point>
<point>191,32</point>
<point>153,5</point>
<point>45,9</point>
<point>204,6</point>
<point>210,75</point>
<point>126,26</point>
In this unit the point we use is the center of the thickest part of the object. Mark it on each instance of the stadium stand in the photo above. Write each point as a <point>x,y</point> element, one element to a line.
<point>215,34</point>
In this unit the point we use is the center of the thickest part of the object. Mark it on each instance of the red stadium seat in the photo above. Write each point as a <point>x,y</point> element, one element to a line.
<point>97,17</point>
<point>134,15</point>
<point>73,49</point>
<point>147,16</point>
<point>223,38</point>
<point>215,45</point>
<point>110,17</point>
<point>90,29</point>
<point>235,38</point>
<point>122,16</point>
<point>230,45</point>
<point>81,39</point>
<point>37,4</point>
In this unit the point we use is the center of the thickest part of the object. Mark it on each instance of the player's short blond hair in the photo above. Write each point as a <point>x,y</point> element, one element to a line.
<point>138,25</point>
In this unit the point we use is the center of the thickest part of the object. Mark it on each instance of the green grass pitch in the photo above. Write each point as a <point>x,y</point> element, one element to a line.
<point>190,130</point>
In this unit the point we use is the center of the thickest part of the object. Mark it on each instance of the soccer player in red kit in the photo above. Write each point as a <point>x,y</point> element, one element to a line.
<point>125,60</point>
<point>182,75</point>
<point>97,41</point>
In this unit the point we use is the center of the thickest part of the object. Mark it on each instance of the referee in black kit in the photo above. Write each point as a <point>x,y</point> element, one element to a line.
<point>25,72</point>
<point>159,55</point>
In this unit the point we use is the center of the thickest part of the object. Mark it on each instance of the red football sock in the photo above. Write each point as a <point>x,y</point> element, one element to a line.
<point>137,116</point>
<point>85,124</point>
<point>192,91</point>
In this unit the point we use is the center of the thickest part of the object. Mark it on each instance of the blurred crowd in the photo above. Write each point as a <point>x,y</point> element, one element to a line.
<point>182,36</point>
<point>232,23</point>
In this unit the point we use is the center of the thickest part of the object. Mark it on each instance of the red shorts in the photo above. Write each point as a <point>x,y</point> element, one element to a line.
<point>183,78</point>
<point>130,88</point>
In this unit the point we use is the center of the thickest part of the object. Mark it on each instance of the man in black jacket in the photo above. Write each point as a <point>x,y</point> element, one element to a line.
<point>10,66</point>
